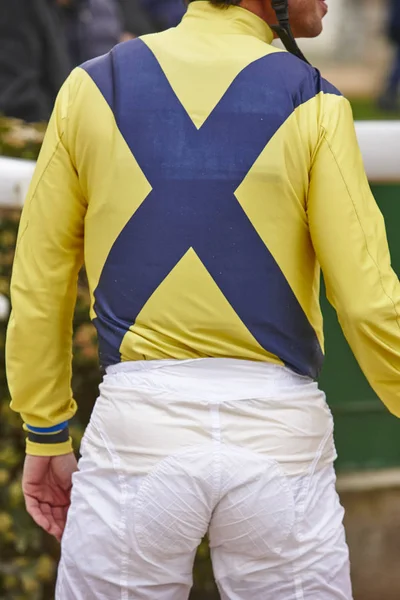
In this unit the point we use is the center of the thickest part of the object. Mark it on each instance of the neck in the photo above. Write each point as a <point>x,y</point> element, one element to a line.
<point>262,9</point>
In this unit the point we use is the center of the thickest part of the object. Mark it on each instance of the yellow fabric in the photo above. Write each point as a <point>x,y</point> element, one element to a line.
<point>306,195</point>
<point>177,307</point>
<point>48,258</point>
<point>35,449</point>
<point>121,179</point>
<point>349,237</point>
<point>291,238</point>
<point>249,37</point>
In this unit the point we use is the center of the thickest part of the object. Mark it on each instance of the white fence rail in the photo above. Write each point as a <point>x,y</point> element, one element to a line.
<point>15,176</point>
<point>380,146</point>
<point>379,142</point>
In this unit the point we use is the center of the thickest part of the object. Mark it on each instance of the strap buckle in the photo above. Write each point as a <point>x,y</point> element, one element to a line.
<point>281,9</point>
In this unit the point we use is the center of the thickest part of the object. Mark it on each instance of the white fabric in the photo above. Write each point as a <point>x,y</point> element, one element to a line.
<point>241,451</point>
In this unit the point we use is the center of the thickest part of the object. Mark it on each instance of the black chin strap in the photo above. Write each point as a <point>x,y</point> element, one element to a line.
<point>283,30</point>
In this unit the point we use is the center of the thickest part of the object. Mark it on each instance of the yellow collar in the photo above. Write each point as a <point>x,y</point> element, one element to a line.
<point>203,16</point>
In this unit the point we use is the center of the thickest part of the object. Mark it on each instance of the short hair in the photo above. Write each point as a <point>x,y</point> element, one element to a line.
<point>223,2</point>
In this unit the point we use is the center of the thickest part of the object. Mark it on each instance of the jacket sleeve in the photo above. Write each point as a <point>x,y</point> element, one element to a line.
<point>349,237</point>
<point>48,258</point>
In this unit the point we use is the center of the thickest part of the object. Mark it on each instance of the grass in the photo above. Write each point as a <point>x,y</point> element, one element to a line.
<point>365,109</point>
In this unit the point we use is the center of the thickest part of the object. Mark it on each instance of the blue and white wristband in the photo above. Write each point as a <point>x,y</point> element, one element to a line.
<point>48,435</point>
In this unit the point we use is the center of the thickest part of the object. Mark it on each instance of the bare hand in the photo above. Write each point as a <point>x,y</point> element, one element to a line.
<point>47,483</point>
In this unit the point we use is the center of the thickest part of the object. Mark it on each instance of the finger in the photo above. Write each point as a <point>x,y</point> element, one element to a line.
<point>60,516</point>
<point>55,531</point>
<point>57,516</point>
<point>47,513</point>
<point>35,511</point>
<point>63,520</point>
<point>52,514</point>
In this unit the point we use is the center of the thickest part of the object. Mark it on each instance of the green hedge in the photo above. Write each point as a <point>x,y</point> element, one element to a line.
<point>28,556</point>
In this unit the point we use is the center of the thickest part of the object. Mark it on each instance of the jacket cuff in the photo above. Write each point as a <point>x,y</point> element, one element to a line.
<point>57,437</point>
<point>48,441</point>
<point>58,449</point>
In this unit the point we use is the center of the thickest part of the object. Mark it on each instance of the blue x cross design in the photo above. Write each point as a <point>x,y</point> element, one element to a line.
<point>194,174</point>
